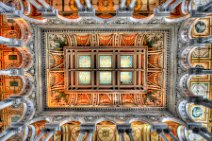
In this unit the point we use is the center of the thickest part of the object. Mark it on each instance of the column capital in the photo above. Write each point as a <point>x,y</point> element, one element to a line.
<point>159,128</point>
<point>13,15</point>
<point>53,126</point>
<point>49,13</point>
<point>12,72</point>
<point>161,13</point>
<point>156,125</point>
<point>16,127</point>
<point>201,41</point>
<point>16,72</point>
<point>86,13</point>
<point>198,70</point>
<point>87,127</point>
<point>10,102</point>
<point>125,127</point>
<point>207,8</point>
<point>191,125</point>
<point>197,14</point>
<point>124,13</point>
<point>18,124</point>
<point>11,42</point>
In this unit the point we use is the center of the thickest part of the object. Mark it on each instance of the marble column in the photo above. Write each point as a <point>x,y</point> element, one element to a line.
<point>161,134</point>
<point>199,71</point>
<point>88,4</point>
<point>49,135</point>
<point>49,130</point>
<point>12,130</point>
<point>9,134</point>
<point>125,128</point>
<point>35,4</point>
<point>48,11</point>
<point>11,12</point>
<point>166,4</point>
<point>79,5</point>
<point>90,136</point>
<point>123,4</point>
<point>168,131</point>
<point>33,132</point>
<point>40,135</point>
<point>26,133</point>
<point>174,5</point>
<point>132,4</point>
<point>159,127</point>
<point>207,8</point>
<point>129,133</point>
<point>14,101</point>
<point>6,8</point>
<point>46,5</point>
<point>163,10</point>
<point>6,103</point>
<point>88,128</point>
<point>12,72</point>
<point>201,41</point>
<point>81,135</point>
<point>121,134</point>
<point>199,100</point>
<point>198,129</point>
<point>11,42</point>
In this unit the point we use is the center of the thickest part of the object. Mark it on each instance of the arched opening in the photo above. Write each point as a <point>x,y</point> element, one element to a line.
<point>105,9</point>
<point>177,12</point>
<point>67,9</point>
<point>11,85</point>
<point>10,58</point>
<point>184,134</point>
<point>68,131</point>
<point>105,131</point>
<point>142,131</point>
<point>173,126</point>
<point>36,127</point>
<point>144,8</point>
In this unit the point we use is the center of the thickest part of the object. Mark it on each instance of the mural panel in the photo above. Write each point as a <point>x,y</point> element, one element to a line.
<point>82,72</point>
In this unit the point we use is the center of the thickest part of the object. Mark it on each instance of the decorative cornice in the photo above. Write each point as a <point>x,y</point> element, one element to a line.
<point>38,49</point>
<point>115,20</point>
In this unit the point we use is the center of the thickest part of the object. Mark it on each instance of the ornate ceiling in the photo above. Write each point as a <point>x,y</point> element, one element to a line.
<point>146,60</point>
<point>103,65</point>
